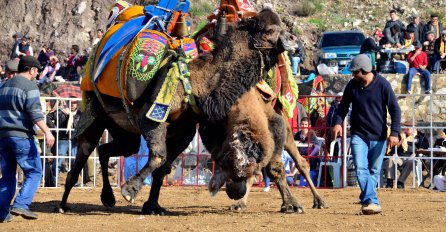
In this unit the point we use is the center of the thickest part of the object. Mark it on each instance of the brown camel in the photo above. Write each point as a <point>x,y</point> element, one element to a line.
<point>217,82</point>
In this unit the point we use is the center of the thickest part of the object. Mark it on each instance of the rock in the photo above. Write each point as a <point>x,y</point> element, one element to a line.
<point>79,9</point>
<point>357,22</point>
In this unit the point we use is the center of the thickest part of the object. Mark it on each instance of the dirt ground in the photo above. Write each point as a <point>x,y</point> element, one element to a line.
<point>192,209</point>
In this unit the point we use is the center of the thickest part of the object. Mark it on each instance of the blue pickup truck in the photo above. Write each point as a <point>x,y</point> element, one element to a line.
<point>337,48</point>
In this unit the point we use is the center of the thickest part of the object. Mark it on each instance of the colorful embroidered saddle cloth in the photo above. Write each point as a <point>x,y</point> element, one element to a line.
<point>144,54</point>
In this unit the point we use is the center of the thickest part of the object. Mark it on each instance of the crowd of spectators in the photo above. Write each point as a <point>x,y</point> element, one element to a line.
<point>55,65</point>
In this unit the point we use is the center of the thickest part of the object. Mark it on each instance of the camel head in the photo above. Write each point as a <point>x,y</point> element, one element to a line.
<point>267,33</point>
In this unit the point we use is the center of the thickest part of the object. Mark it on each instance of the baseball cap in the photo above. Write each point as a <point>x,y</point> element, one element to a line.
<point>12,65</point>
<point>340,94</point>
<point>378,32</point>
<point>17,35</point>
<point>443,32</point>
<point>28,61</point>
<point>361,61</point>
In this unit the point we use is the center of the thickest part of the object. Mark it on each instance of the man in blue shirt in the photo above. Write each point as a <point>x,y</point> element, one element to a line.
<point>371,97</point>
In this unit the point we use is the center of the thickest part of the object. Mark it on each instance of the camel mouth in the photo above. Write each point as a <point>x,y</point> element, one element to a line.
<point>288,41</point>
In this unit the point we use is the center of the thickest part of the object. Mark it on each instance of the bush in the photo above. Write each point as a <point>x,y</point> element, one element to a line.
<point>201,9</point>
<point>307,8</point>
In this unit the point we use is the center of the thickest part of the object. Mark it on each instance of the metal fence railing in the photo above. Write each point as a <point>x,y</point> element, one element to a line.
<point>195,167</point>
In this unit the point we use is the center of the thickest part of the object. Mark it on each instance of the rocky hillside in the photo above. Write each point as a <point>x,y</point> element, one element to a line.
<point>62,23</point>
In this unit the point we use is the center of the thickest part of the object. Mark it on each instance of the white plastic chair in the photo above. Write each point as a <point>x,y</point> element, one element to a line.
<point>335,165</point>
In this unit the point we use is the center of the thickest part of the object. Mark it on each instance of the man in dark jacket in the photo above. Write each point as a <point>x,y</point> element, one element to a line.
<point>434,25</point>
<point>371,96</point>
<point>17,40</point>
<point>371,46</point>
<point>418,27</point>
<point>65,120</point>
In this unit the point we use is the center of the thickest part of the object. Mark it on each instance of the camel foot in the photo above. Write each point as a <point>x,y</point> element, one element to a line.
<point>61,209</point>
<point>238,207</point>
<point>108,198</point>
<point>292,208</point>
<point>153,209</point>
<point>318,203</point>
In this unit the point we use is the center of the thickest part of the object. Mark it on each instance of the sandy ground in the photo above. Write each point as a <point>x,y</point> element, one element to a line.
<point>191,208</point>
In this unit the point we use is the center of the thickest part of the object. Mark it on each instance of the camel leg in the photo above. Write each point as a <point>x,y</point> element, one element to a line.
<point>124,144</point>
<point>180,134</point>
<point>276,172</point>
<point>302,166</point>
<point>155,135</point>
<point>87,142</point>
<point>275,168</point>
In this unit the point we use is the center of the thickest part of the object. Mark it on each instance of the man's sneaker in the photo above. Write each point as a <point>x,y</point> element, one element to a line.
<point>427,92</point>
<point>8,218</point>
<point>266,189</point>
<point>25,213</point>
<point>371,209</point>
<point>408,92</point>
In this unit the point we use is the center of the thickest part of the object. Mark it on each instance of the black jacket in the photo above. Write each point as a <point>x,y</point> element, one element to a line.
<point>60,120</point>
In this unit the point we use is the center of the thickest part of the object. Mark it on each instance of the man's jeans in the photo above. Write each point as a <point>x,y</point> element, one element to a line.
<point>368,157</point>
<point>295,61</point>
<point>21,151</point>
<point>426,74</point>
<point>63,148</point>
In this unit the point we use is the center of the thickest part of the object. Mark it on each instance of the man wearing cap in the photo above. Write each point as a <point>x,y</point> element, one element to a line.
<point>418,27</point>
<point>17,39</point>
<point>418,64</point>
<point>24,48</point>
<point>371,96</point>
<point>20,109</point>
<point>371,46</point>
<point>440,49</point>
<point>10,69</point>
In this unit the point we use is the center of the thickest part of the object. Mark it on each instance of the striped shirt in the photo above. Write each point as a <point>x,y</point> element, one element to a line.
<point>20,108</point>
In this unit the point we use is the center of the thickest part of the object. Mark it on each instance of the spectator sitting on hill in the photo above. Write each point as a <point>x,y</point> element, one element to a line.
<point>297,58</point>
<point>24,48</point>
<point>73,64</point>
<point>418,63</point>
<point>434,25</point>
<point>418,27</point>
<point>394,20</point>
<point>99,34</point>
<point>391,37</point>
<point>17,40</point>
<point>440,50</point>
<point>44,55</point>
<point>11,69</point>
<point>371,46</point>
<point>409,37</point>
<point>429,49</point>
<point>49,73</point>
